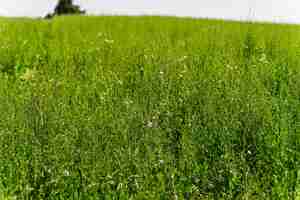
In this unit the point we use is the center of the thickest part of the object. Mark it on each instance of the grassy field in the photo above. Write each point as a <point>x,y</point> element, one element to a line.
<point>149,108</point>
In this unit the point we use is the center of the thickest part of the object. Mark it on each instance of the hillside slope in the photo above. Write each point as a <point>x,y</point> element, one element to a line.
<point>148,108</point>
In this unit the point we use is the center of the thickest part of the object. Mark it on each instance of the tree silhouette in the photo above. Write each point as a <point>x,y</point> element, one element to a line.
<point>65,7</point>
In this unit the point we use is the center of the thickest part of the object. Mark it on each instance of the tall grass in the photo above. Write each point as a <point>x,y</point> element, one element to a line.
<point>148,108</point>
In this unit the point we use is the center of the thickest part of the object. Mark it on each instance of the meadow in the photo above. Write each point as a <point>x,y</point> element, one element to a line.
<point>149,108</point>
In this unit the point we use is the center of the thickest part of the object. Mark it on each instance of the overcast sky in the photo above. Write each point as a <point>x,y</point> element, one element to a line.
<point>267,10</point>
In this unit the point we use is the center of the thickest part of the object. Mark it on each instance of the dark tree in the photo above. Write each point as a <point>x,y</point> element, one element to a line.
<point>65,7</point>
<point>49,16</point>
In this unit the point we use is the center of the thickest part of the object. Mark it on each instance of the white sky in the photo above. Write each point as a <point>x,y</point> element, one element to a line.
<point>267,10</point>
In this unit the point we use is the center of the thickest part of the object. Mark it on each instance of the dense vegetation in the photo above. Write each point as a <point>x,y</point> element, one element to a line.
<point>148,108</point>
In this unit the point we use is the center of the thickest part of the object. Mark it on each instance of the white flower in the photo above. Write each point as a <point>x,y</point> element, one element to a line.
<point>161,162</point>
<point>150,124</point>
<point>66,173</point>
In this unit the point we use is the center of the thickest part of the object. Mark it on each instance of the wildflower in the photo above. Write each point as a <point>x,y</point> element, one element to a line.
<point>25,42</point>
<point>28,188</point>
<point>182,59</point>
<point>29,75</point>
<point>150,124</point>
<point>120,82</point>
<point>229,67</point>
<point>183,72</point>
<point>161,162</point>
<point>175,196</point>
<point>263,59</point>
<point>66,173</point>
<point>49,171</point>
<point>128,102</point>
<point>107,41</point>
<point>102,98</point>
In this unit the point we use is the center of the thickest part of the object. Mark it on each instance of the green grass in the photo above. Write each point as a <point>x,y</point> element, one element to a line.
<point>149,108</point>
